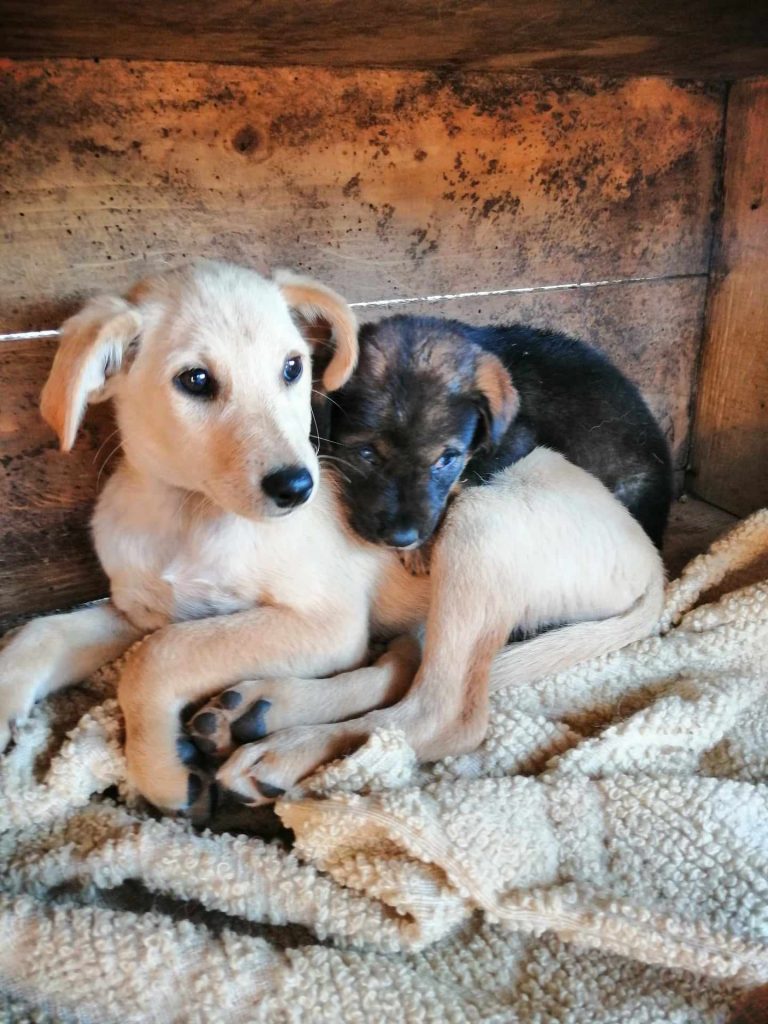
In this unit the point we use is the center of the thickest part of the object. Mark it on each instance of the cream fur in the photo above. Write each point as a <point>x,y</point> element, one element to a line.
<point>232,591</point>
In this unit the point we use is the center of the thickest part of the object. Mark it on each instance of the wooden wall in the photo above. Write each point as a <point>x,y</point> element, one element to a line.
<point>684,38</point>
<point>730,454</point>
<point>387,185</point>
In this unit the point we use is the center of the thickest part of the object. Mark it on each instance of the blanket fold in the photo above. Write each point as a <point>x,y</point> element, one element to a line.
<point>602,857</point>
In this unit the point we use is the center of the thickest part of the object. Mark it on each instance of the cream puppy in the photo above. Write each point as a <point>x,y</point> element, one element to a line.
<point>223,538</point>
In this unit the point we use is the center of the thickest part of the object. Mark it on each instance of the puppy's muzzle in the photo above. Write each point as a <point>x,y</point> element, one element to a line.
<point>289,486</point>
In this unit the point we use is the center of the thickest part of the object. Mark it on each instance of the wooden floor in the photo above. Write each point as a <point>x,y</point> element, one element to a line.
<point>693,525</point>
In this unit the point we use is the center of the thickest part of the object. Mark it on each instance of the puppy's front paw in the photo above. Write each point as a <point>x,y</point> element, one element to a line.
<point>179,784</point>
<point>250,711</point>
<point>259,773</point>
<point>14,711</point>
<point>238,715</point>
<point>19,671</point>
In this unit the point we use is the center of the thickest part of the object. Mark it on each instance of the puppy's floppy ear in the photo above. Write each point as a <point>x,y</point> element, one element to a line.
<point>322,307</point>
<point>91,350</point>
<point>497,397</point>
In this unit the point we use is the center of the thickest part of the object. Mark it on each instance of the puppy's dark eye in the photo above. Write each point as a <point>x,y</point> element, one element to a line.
<point>368,453</point>
<point>292,368</point>
<point>197,382</point>
<point>447,459</point>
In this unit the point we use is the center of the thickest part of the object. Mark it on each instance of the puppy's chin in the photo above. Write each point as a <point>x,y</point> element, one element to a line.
<point>257,510</point>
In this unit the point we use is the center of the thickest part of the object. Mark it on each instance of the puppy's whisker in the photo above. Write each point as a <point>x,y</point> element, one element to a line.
<point>317,431</point>
<point>105,463</point>
<point>327,458</point>
<point>106,440</point>
<point>342,462</point>
<point>185,501</point>
<point>327,397</point>
<point>328,440</point>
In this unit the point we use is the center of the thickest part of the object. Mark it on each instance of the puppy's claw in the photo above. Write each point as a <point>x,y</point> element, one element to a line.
<point>189,754</point>
<point>269,791</point>
<point>194,788</point>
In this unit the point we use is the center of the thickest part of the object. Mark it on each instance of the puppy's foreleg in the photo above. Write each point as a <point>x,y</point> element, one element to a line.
<point>50,653</point>
<point>445,710</point>
<point>189,661</point>
<point>255,708</point>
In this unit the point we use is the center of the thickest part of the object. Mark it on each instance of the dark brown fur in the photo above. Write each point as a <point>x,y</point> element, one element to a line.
<point>429,390</point>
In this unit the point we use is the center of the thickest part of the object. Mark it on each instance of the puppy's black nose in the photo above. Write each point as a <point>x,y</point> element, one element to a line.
<point>403,537</point>
<point>289,486</point>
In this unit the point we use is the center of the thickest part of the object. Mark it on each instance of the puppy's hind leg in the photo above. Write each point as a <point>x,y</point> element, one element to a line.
<point>50,653</point>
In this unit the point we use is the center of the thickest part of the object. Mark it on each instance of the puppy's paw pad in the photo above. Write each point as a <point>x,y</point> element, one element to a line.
<point>205,723</point>
<point>252,725</point>
<point>258,773</point>
<point>202,799</point>
<point>232,718</point>
<point>210,732</point>
<point>189,753</point>
<point>230,699</point>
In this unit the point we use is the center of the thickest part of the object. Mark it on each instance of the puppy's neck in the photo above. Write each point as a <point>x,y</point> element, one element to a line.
<point>164,500</point>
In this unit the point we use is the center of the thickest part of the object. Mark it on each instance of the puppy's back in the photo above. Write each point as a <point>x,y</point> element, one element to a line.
<point>574,400</point>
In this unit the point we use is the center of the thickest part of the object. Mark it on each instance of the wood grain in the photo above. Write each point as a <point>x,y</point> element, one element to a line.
<point>730,456</point>
<point>383,184</point>
<point>46,558</point>
<point>380,183</point>
<point>708,38</point>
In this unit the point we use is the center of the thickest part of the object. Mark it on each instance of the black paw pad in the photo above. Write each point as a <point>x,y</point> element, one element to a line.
<point>205,745</point>
<point>194,789</point>
<point>269,791</point>
<point>204,723</point>
<point>189,753</point>
<point>230,699</point>
<point>252,725</point>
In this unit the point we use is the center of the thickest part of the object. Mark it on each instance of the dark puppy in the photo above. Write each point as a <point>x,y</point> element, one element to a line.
<point>432,407</point>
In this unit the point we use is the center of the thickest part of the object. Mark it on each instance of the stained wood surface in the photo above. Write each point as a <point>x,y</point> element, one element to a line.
<point>693,526</point>
<point>383,184</point>
<point>708,38</point>
<point>380,183</point>
<point>730,459</point>
<point>46,558</point>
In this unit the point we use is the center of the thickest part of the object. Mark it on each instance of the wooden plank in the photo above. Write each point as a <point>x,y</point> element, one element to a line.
<point>380,183</point>
<point>383,184</point>
<point>708,38</point>
<point>651,330</point>
<point>46,558</point>
<point>693,526</point>
<point>730,457</point>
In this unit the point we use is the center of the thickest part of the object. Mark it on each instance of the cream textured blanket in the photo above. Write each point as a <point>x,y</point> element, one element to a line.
<point>602,858</point>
